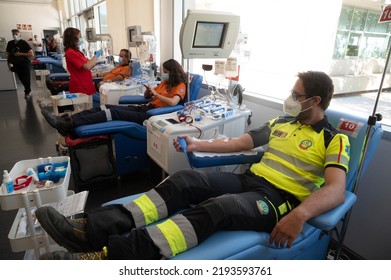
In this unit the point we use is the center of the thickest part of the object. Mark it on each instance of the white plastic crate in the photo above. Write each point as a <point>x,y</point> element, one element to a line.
<point>21,240</point>
<point>81,100</point>
<point>25,242</point>
<point>15,200</point>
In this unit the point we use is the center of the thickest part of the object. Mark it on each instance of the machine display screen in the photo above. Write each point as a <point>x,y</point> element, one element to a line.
<point>91,35</point>
<point>209,35</point>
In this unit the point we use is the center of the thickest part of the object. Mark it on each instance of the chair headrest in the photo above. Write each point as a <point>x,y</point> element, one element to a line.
<point>136,68</point>
<point>194,87</point>
<point>355,127</point>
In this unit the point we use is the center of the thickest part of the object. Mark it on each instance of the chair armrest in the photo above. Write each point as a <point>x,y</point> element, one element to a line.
<point>133,99</point>
<point>330,219</point>
<point>130,129</point>
<point>164,110</point>
<point>218,159</point>
<point>97,79</point>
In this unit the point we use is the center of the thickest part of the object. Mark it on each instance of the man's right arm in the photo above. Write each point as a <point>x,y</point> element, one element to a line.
<point>221,145</point>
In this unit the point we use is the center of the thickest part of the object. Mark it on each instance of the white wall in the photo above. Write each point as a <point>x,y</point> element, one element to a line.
<point>40,16</point>
<point>139,12</point>
<point>124,13</point>
<point>116,22</point>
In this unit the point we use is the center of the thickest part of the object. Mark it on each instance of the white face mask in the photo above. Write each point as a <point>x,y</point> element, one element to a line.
<point>15,37</point>
<point>80,41</point>
<point>293,107</point>
<point>165,76</point>
<point>120,60</point>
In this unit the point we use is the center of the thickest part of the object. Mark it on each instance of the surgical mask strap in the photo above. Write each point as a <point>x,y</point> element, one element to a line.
<point>306,109</point>
<point>306,100</point>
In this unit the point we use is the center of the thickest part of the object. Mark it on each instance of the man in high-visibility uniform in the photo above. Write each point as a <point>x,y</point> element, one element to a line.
<point>301,175</point>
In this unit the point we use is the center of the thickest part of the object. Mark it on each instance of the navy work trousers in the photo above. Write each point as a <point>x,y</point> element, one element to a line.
<point>222,201</point>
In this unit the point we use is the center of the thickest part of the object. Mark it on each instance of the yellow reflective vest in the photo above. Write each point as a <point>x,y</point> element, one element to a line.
<point>298,154</point>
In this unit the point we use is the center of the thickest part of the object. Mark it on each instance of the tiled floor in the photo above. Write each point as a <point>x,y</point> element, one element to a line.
<point>27,135</point>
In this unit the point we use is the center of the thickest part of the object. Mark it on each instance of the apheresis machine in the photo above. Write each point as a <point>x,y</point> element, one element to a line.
<point>204,118</point>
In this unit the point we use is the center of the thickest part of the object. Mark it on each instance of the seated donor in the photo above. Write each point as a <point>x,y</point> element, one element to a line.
<point>168,93</point>
<point>301,175</point>
<point>121,72</point>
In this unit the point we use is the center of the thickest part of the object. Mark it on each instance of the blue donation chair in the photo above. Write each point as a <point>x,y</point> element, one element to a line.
<point>131,138</point>
<point>313,241</point>
<point>54,65</point>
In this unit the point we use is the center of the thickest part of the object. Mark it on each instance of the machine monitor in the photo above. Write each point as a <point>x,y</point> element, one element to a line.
<point>207,34</point>
<point>131,32</point>
<point>91,35</point>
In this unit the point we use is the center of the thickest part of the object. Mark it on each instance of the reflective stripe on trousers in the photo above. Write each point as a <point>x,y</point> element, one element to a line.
<point>173,236</point>
<point>147,209</point>
<point>107,112</point>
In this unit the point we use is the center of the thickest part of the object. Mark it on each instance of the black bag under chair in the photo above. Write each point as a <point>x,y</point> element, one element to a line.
<point>57,82</point>
<point>92,160</point>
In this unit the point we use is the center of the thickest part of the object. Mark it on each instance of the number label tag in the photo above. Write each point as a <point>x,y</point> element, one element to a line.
<point>349,127</point>
<point>386,14</point>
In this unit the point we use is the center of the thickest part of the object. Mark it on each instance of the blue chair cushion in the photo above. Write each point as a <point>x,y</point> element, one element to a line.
<point>129,129</point>
<point>133,99</point>
<point>59,76</point>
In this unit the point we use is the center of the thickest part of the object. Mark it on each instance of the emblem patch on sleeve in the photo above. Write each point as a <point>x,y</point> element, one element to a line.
<point>263,207</point>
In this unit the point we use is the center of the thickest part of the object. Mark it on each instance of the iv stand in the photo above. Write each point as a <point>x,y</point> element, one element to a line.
<point>371,122</point>
<point>188,80</point>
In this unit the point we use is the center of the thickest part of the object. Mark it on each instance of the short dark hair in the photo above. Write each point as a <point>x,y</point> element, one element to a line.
<point>318,83</point>
<point>15,31</point>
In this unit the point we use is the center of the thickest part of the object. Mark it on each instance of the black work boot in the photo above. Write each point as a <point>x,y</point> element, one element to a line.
<point>67,232</point>
<point>63,125</point>
<point>50,118</point>
<point>66,116</point>
<point>62,255</point>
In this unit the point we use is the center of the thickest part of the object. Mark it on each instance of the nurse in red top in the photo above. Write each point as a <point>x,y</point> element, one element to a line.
<point>79,67</point>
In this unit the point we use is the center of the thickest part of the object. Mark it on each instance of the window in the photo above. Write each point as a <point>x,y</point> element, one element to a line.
<point>71,8</point>
<point>85,13</point>
<point>102,15</point>
<point>360,35</point>
<point>76,5</point>
<point>286,37</point>
<point>83,5</point>
<point>91,2</point>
